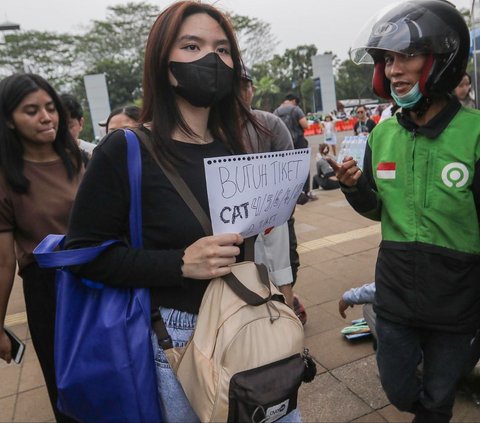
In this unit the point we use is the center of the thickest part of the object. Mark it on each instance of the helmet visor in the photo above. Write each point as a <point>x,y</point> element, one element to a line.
<point>406,28</point>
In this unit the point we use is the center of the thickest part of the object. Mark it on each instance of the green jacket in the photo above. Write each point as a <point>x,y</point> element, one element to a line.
<point>423,184</point>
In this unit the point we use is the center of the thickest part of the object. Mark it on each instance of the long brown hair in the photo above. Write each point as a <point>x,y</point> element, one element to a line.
<point>13,89</point>
<point>159,105</point>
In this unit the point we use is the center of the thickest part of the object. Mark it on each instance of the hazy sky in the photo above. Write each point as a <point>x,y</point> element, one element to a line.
<point>331,25</point>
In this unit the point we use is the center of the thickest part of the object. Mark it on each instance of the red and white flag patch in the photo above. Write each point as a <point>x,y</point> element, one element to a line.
<point>386,170</point>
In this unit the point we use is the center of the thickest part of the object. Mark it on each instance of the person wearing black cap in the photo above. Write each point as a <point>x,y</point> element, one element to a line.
<point>277,138</point>
<point>421,179</point>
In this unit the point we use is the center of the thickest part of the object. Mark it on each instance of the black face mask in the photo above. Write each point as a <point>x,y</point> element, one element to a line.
<point>204,82</point>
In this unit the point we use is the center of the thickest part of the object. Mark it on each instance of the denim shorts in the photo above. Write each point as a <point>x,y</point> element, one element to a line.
<point>174,403</point>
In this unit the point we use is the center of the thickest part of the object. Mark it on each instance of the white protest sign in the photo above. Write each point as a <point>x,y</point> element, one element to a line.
<point>249,193</point>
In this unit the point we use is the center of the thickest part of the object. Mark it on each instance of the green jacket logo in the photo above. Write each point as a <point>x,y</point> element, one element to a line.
<point>455,174</point>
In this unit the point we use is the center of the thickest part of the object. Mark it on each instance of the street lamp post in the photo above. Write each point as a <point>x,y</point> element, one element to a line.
<point>8,26</point>
<point>5,27</point>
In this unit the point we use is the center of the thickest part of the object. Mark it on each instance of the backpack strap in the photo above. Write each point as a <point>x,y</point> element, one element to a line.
<point>178,183</point>
<point>250,297</point>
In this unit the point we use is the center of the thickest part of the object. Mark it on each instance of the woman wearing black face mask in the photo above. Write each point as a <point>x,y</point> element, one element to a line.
<point>191,110</point>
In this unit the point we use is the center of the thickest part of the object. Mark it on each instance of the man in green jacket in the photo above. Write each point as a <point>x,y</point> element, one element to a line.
<point>421,180</point>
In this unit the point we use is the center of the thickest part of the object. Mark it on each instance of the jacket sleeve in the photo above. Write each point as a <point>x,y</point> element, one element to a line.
<point>273,250</point>
<point>362,295</point>
<point>363,196</point>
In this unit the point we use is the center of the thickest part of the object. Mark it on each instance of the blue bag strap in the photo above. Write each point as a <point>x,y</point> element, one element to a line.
<point>45,253</point>
<point>134,163</point>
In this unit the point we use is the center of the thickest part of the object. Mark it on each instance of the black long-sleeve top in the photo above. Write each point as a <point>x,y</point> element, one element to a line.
<point>101,211</point>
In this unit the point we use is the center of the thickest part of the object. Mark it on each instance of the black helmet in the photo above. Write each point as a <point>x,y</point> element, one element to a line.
<point>431,27</point>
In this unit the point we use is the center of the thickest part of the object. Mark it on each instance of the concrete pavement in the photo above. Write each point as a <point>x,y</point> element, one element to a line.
<point>337,249</point>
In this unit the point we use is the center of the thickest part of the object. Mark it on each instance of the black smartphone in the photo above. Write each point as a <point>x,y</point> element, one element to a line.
<point>18,347</point>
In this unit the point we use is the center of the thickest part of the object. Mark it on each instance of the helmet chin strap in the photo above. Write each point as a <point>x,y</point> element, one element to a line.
<point>421,107</point>
<point>426,73</point>
<point>380,84</point>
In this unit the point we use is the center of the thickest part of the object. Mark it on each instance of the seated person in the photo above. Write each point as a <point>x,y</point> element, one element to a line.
<point>365,295</point>
<point>325,176</point>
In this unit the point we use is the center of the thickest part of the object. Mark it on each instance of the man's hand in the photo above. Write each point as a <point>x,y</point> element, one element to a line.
<point>348,173</point>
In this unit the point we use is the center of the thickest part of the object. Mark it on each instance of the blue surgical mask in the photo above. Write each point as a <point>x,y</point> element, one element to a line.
<point>408,100</point>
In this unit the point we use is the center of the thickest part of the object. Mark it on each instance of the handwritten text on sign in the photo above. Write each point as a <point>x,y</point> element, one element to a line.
<point>252,192</point>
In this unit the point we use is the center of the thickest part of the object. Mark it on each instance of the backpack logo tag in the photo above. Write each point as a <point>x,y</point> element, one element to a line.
<point>274,412</point>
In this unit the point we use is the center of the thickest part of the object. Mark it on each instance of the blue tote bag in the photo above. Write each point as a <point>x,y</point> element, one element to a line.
<point>104,361</point>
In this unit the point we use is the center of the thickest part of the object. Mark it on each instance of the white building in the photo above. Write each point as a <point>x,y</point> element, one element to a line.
<point>325,99</point>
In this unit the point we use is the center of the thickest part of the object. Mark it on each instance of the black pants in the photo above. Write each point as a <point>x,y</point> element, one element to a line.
<point>400,348</point>
<point>306,186</point>
<point>39,293</point>
<point>301,142</point>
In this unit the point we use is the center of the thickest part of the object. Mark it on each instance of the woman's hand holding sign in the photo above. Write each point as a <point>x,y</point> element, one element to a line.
<point>210,256</point>
<point>348,173</point>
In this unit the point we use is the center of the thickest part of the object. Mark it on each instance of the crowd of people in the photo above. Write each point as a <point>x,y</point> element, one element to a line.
<point>420,179</point>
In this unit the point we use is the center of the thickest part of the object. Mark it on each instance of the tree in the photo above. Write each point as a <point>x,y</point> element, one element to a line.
<point>249,31</point>
<point>116,46</point>
<point>297,63</point>
<point>265,94</point>
<point>289,71</point>
<point>306,90</point>
<point>354,81</point>
<point>121,36</point>
<point>48,54</point>
<point>124,80</point>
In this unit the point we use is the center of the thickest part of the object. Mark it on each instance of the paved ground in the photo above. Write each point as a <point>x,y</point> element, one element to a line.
<point>337,251</point>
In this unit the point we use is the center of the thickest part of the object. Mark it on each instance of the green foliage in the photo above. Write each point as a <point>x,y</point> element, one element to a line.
<point>354,81</point>
<point>306,90</point>
<point>297,63</point>
<point>288,72</point>
<point>266,89</point>
<point>48,54</point>
<point>121,36</point>
<point>115,46</point>
<point>124,80</point>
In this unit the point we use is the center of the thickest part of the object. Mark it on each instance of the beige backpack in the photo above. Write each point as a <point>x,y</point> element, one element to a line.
<point>244,362</point>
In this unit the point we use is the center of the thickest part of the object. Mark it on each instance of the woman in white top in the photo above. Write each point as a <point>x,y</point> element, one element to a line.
<point>330,134</point>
